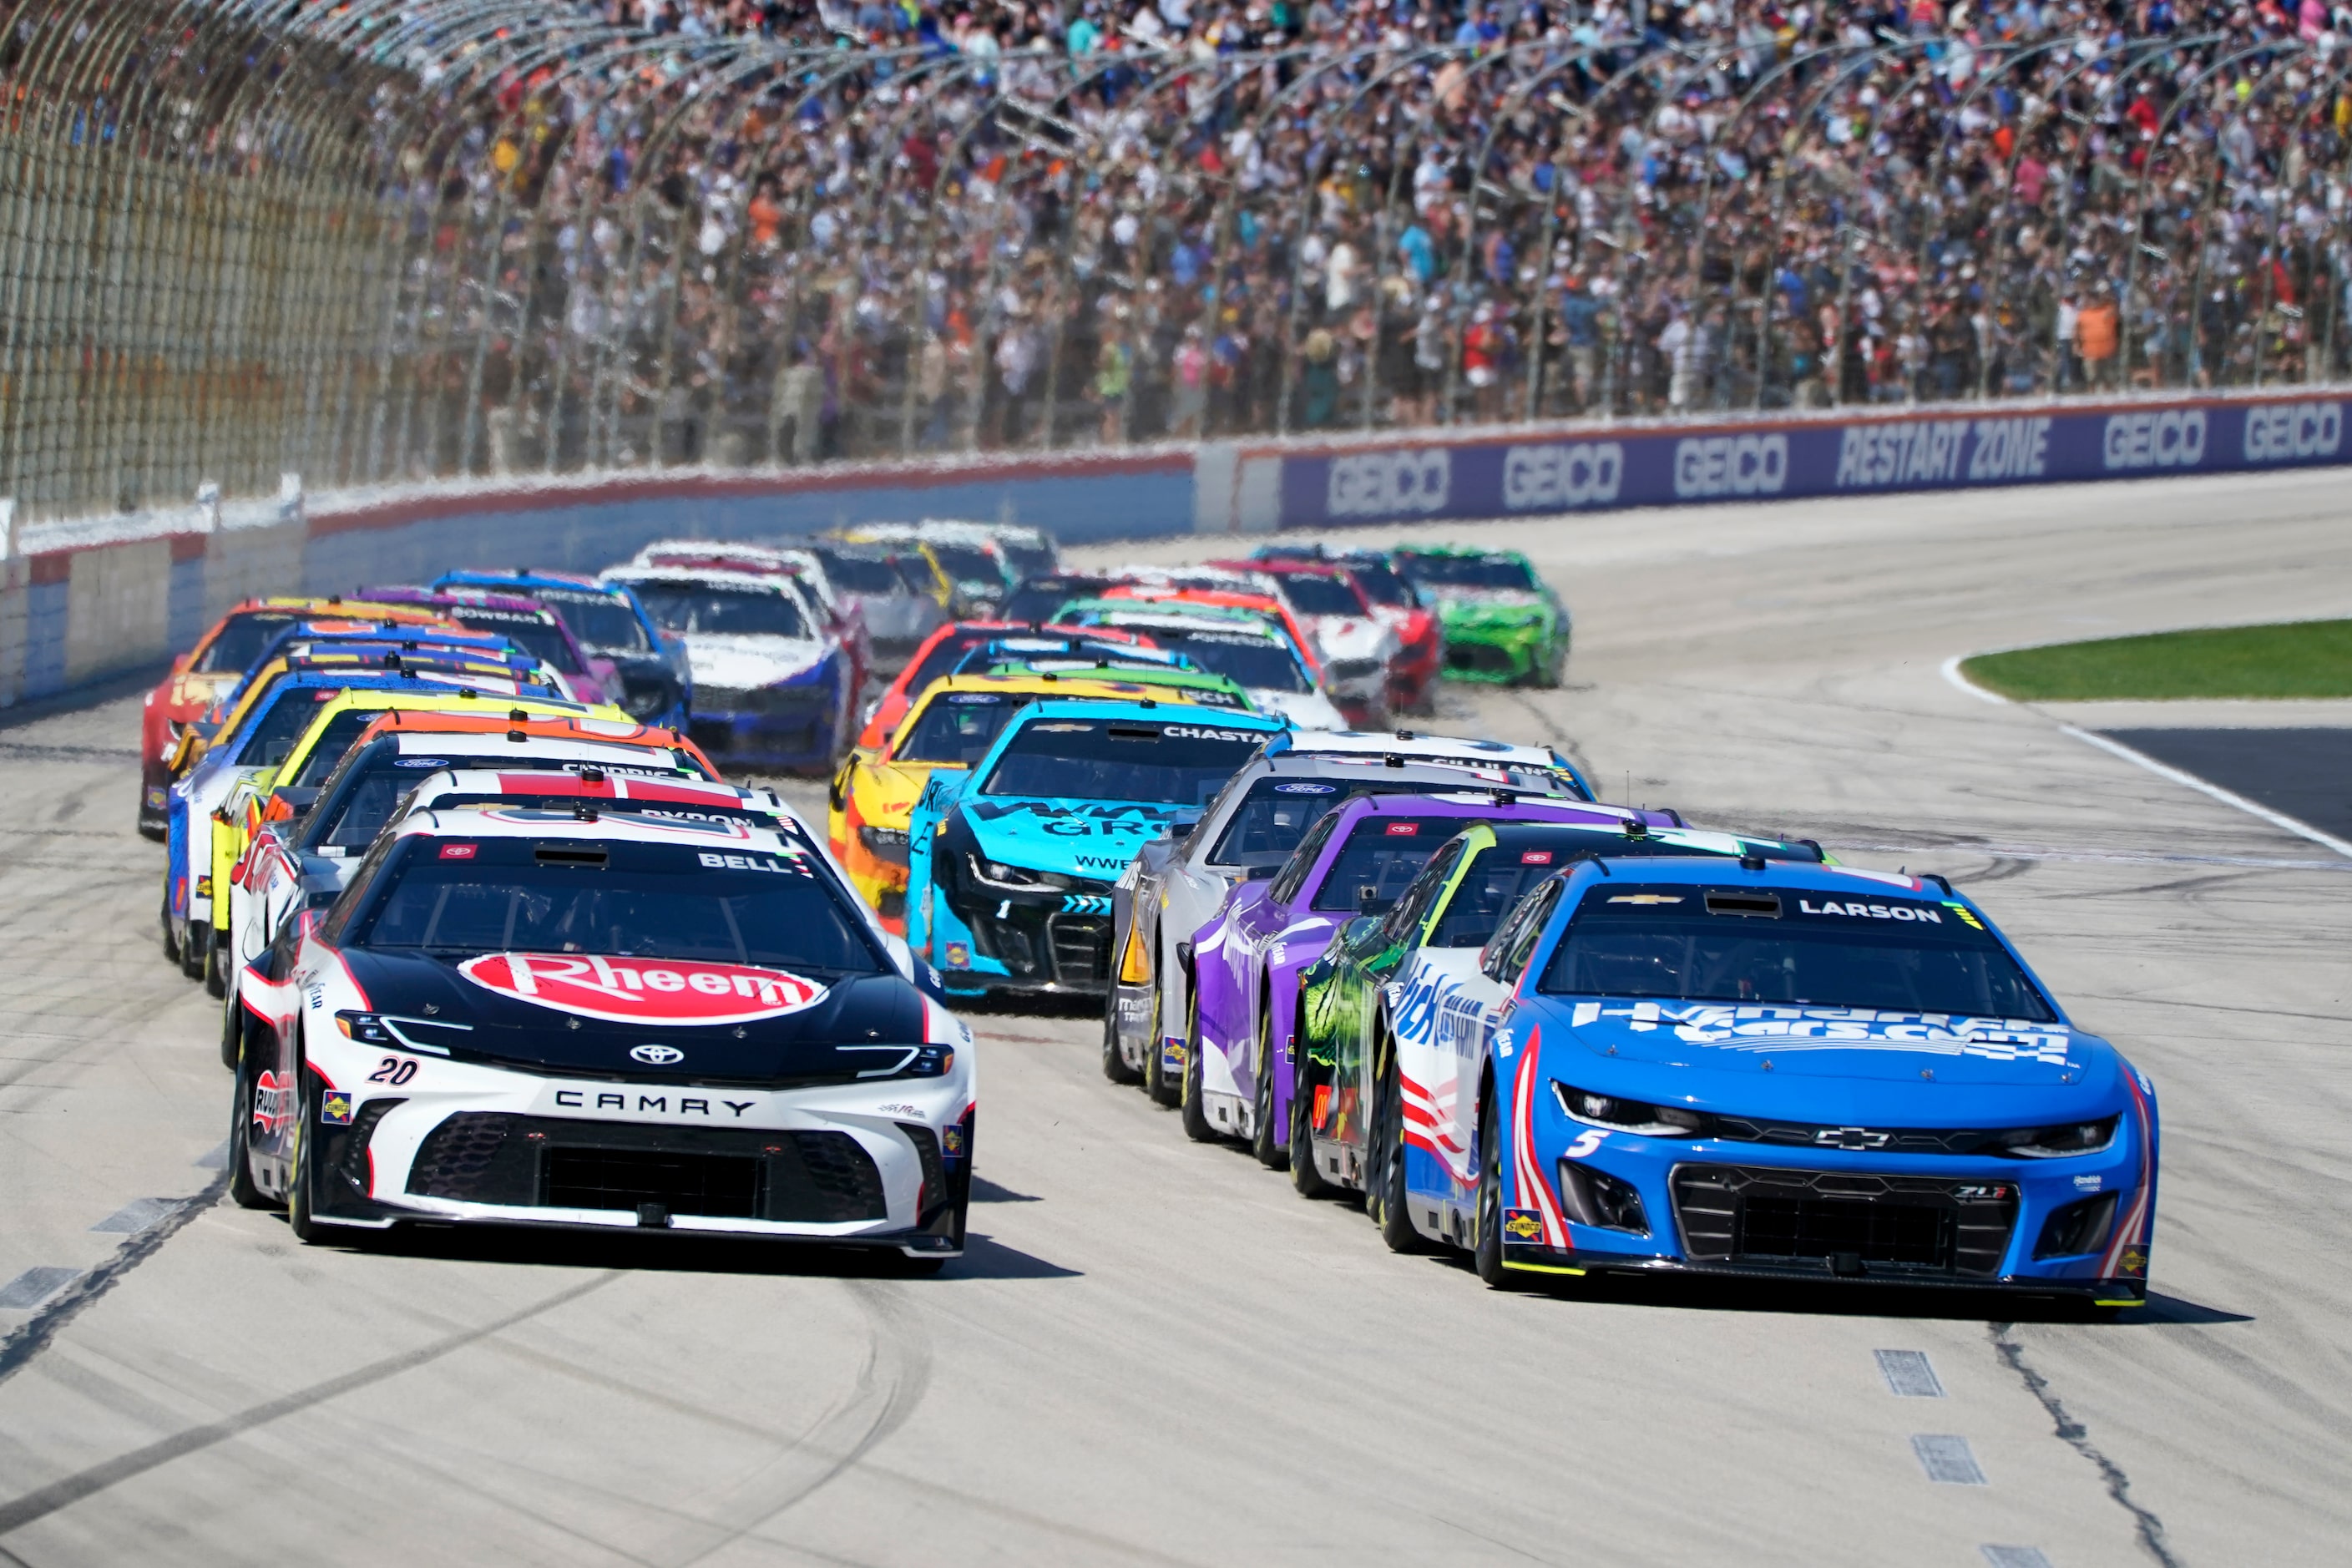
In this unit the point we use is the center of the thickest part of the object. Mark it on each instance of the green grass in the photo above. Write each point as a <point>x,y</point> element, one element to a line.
<point>2298,659</point>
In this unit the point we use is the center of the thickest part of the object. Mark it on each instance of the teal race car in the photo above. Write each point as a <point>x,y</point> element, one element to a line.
<point>1011,862</point>
<point>1503,622</point>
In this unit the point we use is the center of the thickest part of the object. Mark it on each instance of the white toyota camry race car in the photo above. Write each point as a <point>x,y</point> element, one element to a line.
<point>598,1019</point>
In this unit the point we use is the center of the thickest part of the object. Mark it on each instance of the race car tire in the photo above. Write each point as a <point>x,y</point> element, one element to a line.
<point>1192,1109</point>
<point>299,1173</point>
<point>171,939</point>
<point>196,951</point>
<point>232,1044</point>
<point>1163,1089</point>
<point>242,1188</point>
<point>1384,1188</point>
<point>217,971</point>
<point>1114,1065</point>
<point>1270,1153</point>
<point>1486,1243</point>
<point>1304,1178</point>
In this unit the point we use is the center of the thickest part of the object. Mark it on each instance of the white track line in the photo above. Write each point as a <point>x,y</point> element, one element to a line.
<point>2226,798</point>
<point>1951,671</point>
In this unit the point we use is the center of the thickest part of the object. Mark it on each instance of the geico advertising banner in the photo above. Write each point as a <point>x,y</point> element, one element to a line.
<point>1492,477</point>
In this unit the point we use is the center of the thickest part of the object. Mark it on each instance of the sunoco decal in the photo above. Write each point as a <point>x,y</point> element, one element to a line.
<point>660,991</point>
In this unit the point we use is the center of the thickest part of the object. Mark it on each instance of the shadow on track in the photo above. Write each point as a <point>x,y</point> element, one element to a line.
<point>1859,1298</point>
<point>525,1248</point>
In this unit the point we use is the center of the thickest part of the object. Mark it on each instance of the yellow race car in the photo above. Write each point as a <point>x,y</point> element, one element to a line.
<point>951,725</point>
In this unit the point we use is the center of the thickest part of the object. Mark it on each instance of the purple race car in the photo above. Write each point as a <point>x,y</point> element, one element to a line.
<point>1246,960</point>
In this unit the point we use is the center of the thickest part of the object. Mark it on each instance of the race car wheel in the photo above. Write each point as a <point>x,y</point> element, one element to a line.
<point>216,971</point>
<point>1194,1109</point>
<point>171,940</point>
<point>1270,1153</point>
<point>298,1174</point>
<point>1115,1065</point>
<point>1304,1177</point>
<point>1487,1245</point>
<point>1384,1189</point>
<point>1157,1083</point>
<point>232,1035</point>
<point>242,1187</point>
<point>196,952</point>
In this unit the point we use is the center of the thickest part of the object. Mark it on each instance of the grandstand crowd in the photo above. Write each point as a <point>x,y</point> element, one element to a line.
<point>853,229</point>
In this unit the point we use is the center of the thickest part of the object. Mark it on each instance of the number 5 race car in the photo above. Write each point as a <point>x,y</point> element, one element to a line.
<point>1766,1070</point>
<point>603,1019</point>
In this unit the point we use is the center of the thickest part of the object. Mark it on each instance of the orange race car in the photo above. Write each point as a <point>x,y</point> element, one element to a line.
<point>939,654</point>
<point>202,675</point>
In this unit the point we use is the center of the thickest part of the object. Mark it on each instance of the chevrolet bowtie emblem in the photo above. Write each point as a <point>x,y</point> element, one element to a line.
<point>1851,1138</point>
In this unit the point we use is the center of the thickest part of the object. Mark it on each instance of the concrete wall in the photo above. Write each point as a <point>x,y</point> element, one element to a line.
<point>82,600</point>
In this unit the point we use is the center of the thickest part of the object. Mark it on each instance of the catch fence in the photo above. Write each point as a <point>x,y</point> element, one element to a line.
<point>248,249</point>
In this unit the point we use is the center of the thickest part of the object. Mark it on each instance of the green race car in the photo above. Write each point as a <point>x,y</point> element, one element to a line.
<point>1503,623</point>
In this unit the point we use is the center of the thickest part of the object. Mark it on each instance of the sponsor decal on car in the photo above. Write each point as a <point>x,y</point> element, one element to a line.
<point>459,851</point>
<point>335,1107</point>
<point>1523,1225</point>
<point>273,1102</point>
<point>959,955</point>
<point>1761,1026</point>
<point>1403,829</point>
<point>1305,789</point>
<point>678,990</point>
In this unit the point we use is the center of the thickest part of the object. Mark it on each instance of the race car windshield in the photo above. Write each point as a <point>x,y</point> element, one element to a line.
<point>861,574</point>
<point>328,747</point>
<point>968,563</point>
<point>1258,663</point>
<point>272,739</point>
<point>721,612</point>
<point>1470,571</point>
<point>602,621</point>
<point>1312,594</point>
<point>1040,599</point>
<point>1097,759</point>
<point>1382,854</point>
<point>1274,817</point>
<point>1382,585</point>
<point>943,658</point>
<point>1027,560</point>
<point>1503,872</point>
<point>1809,948</point>
<point>618,900</point>
<point>241,640</point>
<point>540,637</point>
<point>958,727</point>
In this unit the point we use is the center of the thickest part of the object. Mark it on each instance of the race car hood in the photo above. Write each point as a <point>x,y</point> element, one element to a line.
<point>887,792</point>
<point>744,663</point>
<point>1093,839</point>
<point>1914,1056</point>
<point>1353,638</point>
<point>1506,606</point>
<point>583,1017</point>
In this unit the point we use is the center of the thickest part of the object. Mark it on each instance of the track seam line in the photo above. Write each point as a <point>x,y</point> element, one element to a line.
<point>34,1335</point>
<point>2074,1435</point>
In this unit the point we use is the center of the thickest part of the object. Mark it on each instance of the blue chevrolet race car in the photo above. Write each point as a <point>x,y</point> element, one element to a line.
<point>1011,862</point>
<point>1760,1069</point>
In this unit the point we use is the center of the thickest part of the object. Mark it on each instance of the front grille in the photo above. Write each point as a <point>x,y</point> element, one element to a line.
<point>1081,949</point>
<point>722,1186</point>
<point>1479,658</point>
<point>537,1162</point>
<point>1837,1221</point>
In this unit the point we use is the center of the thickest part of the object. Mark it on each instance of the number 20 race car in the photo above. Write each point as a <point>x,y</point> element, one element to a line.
<point>578,1018</point>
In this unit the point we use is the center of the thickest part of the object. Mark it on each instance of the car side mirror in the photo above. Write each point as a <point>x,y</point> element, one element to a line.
<point>1183,822</point>
<point>1262,873</point>
<point>902,957</point>
<point>1370,902</point>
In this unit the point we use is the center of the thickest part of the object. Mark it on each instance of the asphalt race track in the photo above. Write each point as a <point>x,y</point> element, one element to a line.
<point>2308,774</point>
<point>1157,1353</point>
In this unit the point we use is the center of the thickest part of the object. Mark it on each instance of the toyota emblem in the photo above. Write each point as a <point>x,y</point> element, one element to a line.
<point>657,1055</point>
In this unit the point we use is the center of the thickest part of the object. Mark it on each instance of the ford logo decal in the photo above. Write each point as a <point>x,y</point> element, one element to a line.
<point>657,1055</point>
